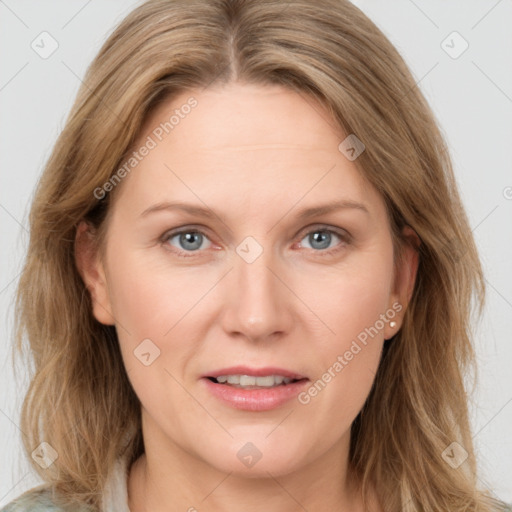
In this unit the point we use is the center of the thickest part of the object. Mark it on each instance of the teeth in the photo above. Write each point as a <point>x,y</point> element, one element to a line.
<point>267,381</point>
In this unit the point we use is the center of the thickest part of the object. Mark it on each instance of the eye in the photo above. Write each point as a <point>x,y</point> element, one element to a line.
<point>185,240</point>
<point>321,238</point>
<point>191,240</point>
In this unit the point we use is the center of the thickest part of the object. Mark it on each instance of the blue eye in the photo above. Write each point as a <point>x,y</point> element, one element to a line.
<point>320,239</point>
<point>190,242</point>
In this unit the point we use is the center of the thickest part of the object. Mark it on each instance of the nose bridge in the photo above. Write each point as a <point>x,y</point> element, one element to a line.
<point>258,305</point>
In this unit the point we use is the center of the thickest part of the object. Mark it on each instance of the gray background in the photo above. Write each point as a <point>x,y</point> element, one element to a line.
<point>471,96</point>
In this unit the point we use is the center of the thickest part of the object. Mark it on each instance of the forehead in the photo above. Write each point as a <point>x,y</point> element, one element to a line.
<point>252,144</point>
<point>241,116</point>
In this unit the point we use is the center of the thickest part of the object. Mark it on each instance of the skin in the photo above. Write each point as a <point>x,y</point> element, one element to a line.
<point>255,155</point>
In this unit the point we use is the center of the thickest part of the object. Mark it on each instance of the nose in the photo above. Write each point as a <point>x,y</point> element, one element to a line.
<point>257,303</point>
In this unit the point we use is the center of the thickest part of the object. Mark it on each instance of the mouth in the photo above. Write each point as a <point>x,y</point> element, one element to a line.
<point>253,397</point>
<point>254,389</point>
<point>245,377</point>
<point>252,382</point>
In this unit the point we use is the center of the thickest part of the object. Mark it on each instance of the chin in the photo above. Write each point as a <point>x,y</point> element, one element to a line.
<point>259,457</point>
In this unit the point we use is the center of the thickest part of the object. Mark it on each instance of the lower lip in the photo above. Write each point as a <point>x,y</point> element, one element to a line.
<point>255,399</point>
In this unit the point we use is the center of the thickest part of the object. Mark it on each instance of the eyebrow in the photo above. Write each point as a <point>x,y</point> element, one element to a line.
<point>208,213</point>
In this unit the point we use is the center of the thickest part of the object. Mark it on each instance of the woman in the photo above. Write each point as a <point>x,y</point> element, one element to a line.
<point>194,348</point>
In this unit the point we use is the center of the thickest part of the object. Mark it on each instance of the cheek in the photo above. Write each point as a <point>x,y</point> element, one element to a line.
<point>160,309</point>
<point>347,298</point>
<point>150,306</point>
<point>352,304</point>
<point>149,296</point>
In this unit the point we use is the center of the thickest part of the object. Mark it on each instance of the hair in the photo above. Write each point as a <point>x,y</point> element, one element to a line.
<point>80,399</point>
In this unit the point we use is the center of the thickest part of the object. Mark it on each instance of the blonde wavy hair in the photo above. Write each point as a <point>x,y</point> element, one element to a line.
<point>80,400</point>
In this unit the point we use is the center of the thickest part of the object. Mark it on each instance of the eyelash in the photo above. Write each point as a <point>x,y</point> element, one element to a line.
<point>343,235</point>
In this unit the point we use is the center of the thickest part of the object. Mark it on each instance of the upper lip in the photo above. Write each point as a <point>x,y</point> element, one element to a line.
<point>255,372</point>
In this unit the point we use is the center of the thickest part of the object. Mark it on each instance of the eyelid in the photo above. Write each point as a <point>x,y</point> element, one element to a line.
<point>343,233</point>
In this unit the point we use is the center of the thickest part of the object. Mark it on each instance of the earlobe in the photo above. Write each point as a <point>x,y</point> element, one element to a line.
<point>405,278</point>
<point>91,270</point>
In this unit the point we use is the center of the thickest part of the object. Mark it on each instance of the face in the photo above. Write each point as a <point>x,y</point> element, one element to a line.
<point>258,279</point>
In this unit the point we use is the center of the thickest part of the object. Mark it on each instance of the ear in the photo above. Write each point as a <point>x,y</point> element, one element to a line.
<point>91,270</point>
<point>404,279</point>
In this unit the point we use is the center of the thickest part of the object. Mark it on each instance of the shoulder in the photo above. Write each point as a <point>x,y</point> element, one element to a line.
<point>44,498</point>
<point>39,499</point>
<point>34,500</point>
